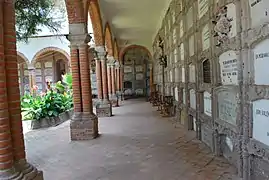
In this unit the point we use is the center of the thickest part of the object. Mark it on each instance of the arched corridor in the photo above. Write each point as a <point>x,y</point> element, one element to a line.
<point>137,145</point>
<point>207,69</point>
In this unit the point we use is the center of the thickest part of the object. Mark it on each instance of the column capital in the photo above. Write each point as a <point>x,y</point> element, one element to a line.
<point>80,39</point>
<point>111,60</point>
<point>101,52</point>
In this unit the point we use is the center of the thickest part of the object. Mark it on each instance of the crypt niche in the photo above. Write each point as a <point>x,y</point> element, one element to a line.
<point>136,72</point>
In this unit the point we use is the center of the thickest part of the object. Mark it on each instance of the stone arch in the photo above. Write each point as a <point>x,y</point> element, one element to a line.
<point>93,9</point>
<point>23,73</point>
<point>116,49</point>
<point>23,57</point>
<point>48,49</point>
<point>75,11</point>
<point>124,50</point>
<point>108,40</point>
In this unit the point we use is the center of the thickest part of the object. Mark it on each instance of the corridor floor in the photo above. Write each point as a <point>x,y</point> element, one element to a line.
<point>135,144</point>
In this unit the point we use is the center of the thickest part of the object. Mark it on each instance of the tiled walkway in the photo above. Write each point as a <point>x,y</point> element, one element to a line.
<point>136,144</point>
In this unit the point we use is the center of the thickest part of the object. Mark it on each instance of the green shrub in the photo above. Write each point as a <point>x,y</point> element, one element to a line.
<point>50,104</point>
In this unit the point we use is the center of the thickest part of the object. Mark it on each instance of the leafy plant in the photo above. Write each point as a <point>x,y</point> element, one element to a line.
<point>67,79</point>
<point>50,104</point>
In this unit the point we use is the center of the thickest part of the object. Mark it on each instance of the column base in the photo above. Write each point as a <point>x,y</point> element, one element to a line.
<point>29,171</point>
<point>83,126</point>
<point>114,100</point>
<point>104,109</point>
<point>10,174</point>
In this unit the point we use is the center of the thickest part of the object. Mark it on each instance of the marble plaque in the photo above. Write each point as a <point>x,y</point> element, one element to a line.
<point>227,106</point>
<point>48,72</point>
<point>139,92</point>
<point>182,52</point>
<point>260,113</point>
<point>38,65</point>
<point>191,46</point>
<point>183,74</point>
<point>261,63</point>
<point>229,68</point>
<point>139,76</point>
<point>38,79</point>
<point>176,94</point>
<point>171,76</point>
<point>259,11</point>
<point>181,28</point>
<point>38,72</point>
<point>48,64</point>
<point>177,75</point>
<point>128,92</point>
<point>194,124</point>
<point>207,103</point>
<point>190,18</point>
<point>205,37</point>
<point>176,55</point>
<point>207,137</point>
<point>128,77</point>
<point>202,8</point>
<point>192,99</point>
<point>191,73</point>
<point>139,68</point>
<point>184,96</point>
<point>128,69</point>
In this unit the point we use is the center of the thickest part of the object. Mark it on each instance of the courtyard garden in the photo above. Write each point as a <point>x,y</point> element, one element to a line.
<point>51,107</point>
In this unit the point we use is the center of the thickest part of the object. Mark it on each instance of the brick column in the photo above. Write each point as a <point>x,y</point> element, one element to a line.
<point>113,79</point>
<point>75,68</point>
<point>85,79</point>
<point>109,80</point>
<point>121,80</point>
<point>117,67</point>
<point>84,123</point>
<point>104,108</point>
<point>99,79</point>
<point>13,164</point>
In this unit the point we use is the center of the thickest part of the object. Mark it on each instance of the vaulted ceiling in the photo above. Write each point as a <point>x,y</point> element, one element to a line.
<point>134,21</point>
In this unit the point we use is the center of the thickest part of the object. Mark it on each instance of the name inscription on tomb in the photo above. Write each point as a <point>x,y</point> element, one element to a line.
<point>259,11</point>
<point>261,63</point>
<point>207,104</point>
<point>193,99</point>
<point>261,121</point>
<point>227,107</point>
<point>229,68</point>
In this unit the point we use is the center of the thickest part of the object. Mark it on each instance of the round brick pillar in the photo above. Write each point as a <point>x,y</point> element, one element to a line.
<point>76,79</point>
<point>113,79</point>
<point>99,79</point>
<point>13,164</point>
<point>85,80</point>
<point>109,80</point>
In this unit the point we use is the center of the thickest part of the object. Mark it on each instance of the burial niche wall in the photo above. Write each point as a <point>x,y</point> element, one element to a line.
<point>136,61</point>
<point>261,63</point>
